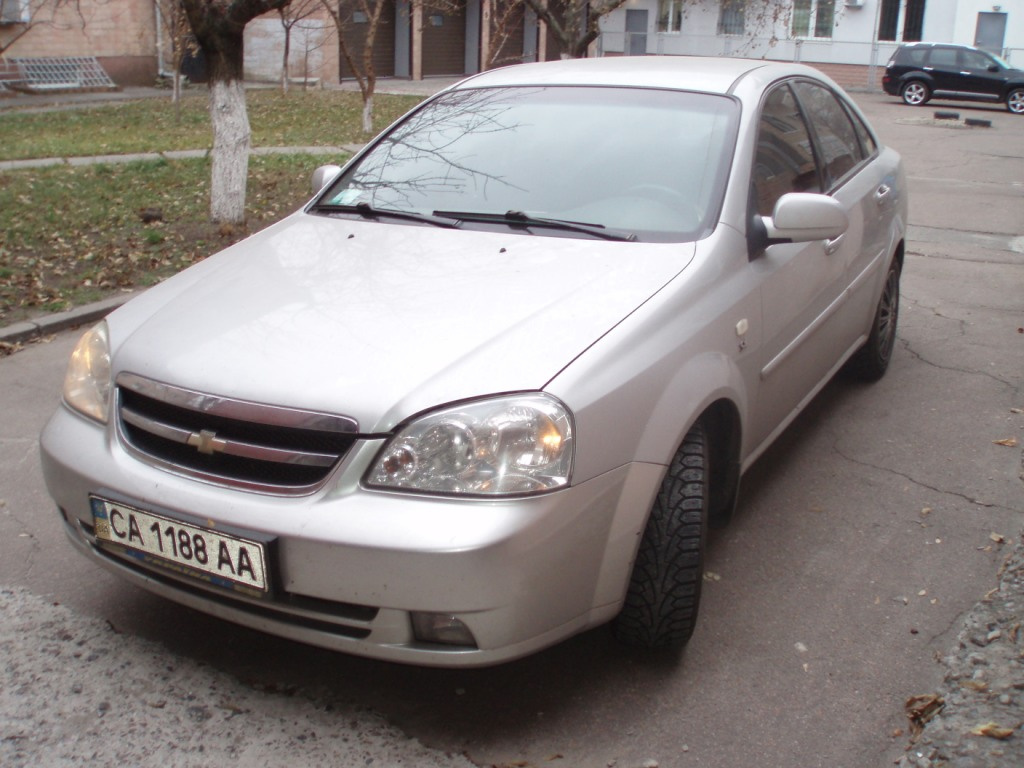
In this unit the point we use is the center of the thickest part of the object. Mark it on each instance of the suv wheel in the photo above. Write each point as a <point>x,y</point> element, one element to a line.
<point>1015,101</point>
<point>664,592</point>
<point>915,93</point>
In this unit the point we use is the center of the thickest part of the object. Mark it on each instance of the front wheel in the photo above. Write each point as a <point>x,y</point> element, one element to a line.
<point>915,93</point>
<point>871,361</point>
<point>661,604</point>
<point>1015,101</point>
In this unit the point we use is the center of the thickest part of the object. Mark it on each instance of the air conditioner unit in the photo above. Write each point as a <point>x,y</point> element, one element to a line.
<point>854,3</point>
<point>12,12</point>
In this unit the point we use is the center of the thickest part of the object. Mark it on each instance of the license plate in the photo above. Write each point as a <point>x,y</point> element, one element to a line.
<point>214,557</point>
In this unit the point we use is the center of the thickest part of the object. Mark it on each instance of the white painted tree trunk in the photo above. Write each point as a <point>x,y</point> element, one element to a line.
<point>230,151</point>
<point>368,113</point>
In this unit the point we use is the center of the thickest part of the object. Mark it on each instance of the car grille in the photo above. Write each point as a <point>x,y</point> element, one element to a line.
<point>231,442</point>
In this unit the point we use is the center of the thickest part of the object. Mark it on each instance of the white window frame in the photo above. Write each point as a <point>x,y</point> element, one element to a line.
<point>812,22</point>
<point>674,15</point>
<point>741,6</point>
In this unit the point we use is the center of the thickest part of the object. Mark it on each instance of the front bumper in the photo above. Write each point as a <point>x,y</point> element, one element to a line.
<point>350,565</point>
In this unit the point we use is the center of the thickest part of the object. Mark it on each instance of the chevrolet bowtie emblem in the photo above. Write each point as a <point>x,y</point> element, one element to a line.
<point>206,441</point>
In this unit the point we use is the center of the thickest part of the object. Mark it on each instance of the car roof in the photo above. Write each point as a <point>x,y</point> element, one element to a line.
<point>924,44</point>
<point>691,73</point>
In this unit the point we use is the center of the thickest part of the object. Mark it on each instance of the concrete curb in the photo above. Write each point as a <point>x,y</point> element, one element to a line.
<point>61,321</point>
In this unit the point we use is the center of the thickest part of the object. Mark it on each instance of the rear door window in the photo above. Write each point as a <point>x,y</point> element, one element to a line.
<point>944,58</point>
<point>841,149</point>
<point>785,160</point>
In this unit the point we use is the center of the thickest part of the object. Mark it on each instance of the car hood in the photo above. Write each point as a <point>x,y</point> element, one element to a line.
<point>378,321</point>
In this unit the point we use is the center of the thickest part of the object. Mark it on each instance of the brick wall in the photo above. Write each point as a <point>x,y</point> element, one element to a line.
<point>313,53</point>
<point>852,76</point>
<point>118,29</point>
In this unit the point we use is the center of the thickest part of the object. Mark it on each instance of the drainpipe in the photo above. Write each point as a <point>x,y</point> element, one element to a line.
<point>160,68</point>
<point>873,65</point>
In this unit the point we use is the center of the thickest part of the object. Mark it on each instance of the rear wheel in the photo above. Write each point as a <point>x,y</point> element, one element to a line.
<point>871,361</point>
<point>664,591</point>
<point>1015,101</point>
<point>915,93</point>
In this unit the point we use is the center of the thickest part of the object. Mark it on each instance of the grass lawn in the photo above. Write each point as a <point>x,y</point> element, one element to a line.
<point>74,234</point>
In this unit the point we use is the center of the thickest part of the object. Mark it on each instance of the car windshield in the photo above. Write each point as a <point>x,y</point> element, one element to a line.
<point>646,164</point>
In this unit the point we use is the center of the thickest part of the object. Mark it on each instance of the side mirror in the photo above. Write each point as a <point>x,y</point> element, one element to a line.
<point>801,217</point>
<point>324,175</point>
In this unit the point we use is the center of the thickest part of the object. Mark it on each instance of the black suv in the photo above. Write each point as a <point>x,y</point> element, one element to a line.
<point>921,71</point>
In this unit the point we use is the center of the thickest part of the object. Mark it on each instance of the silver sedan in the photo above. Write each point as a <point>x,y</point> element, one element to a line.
<point>490,387</point>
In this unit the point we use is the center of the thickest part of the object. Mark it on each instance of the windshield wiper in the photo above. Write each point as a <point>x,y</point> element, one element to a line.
<point>520,218</point>
<point>367,211</point>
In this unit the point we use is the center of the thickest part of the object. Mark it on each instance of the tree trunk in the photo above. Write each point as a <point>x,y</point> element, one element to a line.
<point>284,64</point>
<point>230,151</point>
<point>368,112</point>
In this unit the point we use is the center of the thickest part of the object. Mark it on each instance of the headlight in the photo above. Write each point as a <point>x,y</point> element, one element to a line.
<point>510,445</point>
<point>87,383</point>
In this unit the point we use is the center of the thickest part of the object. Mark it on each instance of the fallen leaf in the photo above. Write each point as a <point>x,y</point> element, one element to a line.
<point>998,538</point>
<point>993,731</point>
<point>1009,442</point>
<point>922,708</point>
<point>974,685</point>
<point>709,576</point>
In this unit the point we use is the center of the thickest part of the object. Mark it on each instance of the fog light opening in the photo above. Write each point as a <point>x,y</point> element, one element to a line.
<point>442,629</point>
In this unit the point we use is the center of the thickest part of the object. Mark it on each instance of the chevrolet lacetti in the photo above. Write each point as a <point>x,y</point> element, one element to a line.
<point>490,387</point>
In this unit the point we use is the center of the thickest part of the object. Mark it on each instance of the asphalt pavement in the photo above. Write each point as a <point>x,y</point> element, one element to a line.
<point>876,557</point>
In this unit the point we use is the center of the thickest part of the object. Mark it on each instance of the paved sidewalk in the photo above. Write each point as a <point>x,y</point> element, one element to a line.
<point>45,102</point>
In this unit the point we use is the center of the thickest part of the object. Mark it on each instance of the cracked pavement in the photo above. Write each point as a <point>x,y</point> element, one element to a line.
<point>865,537</point>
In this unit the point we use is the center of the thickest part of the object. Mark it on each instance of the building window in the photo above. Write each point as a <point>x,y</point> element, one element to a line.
<point>732,17</point>
<point>813,18</point>
<point>889,20</point>
<point>914,21</point>
<point>670,15</point>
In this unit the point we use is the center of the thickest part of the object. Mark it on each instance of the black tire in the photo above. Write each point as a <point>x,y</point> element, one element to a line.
<point>916,93</point>
<point>1015,101</point>
<point>663,597</point>
<point>871,361</point>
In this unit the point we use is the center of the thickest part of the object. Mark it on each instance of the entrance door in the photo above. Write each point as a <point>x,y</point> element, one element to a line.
<point>991,32</point>
<point>636,33</point>
<point>444,41</point>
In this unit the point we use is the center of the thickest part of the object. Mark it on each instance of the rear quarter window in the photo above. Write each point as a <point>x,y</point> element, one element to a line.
<point>914,56</point>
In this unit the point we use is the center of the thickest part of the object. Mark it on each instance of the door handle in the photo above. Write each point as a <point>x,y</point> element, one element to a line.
<point>882,194</point>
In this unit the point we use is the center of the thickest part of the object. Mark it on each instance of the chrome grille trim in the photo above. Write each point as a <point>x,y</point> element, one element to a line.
<point>242,410</point>
<point>225,441</point>
<point>230,447</point>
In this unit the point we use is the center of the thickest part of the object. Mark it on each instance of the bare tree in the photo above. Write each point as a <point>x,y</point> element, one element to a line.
<point>292,15</point>
<point>575,24</point>
<point>360,62</point>
<point>501,20</point>
<point>178,33</point>
<point>219,26</point>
